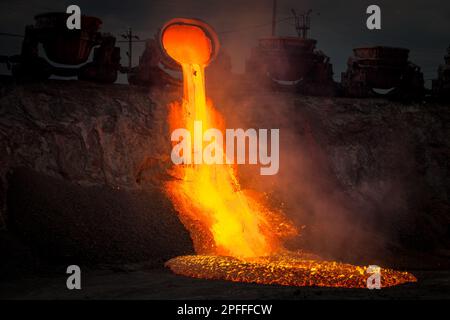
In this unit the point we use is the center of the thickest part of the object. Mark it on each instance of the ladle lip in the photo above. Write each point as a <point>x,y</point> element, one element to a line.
<point>209,31</point>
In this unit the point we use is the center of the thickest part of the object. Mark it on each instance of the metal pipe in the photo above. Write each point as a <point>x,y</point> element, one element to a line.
<point>274,17</point>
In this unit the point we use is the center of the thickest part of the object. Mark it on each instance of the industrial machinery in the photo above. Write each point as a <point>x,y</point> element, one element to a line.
<point>154,68</point>
<point>67,51</point>
<point>292,62</point>
<point>441,85</point>
<point>382,70</point>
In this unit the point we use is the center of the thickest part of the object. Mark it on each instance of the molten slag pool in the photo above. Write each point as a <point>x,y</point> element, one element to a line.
<point>283,269</point>
<point>236,235</point>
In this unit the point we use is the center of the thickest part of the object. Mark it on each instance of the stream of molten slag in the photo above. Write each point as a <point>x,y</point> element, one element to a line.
<point>222,218</point>
<point>236,236</point>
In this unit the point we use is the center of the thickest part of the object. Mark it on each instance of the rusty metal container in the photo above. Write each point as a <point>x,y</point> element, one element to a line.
<point>441,85</point>
<point>66,46</point>
<point>387,54</point>
<point>381,67</point>
<point>155,68</point>
<point>283,58</point>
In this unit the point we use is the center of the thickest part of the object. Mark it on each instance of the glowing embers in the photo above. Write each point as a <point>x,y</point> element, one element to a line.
<point>283,269</point>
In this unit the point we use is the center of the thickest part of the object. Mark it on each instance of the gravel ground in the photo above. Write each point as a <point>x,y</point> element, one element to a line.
<point>130,283</point>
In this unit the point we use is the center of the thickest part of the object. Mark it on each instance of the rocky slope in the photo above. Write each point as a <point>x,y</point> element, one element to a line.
<point>369,179</point>
<point>78,165</point>
<point>82,165</point>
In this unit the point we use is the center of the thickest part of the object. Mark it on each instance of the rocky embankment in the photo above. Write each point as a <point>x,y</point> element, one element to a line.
<point>81,170</point>
<point>82,165</point>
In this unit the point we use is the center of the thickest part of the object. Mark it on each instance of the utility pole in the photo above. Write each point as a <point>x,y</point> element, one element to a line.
<point>274,17</point>
<point>129,36</point>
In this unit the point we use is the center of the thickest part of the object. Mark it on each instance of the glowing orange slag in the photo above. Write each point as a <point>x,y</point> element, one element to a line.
<point>229,227</point>
<point>222,218</point>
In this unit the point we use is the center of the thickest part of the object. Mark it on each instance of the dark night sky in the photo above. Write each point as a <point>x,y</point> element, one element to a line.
<point>422,26</point>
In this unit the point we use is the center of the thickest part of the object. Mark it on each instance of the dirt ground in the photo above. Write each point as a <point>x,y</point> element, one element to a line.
<point>139,283</point>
